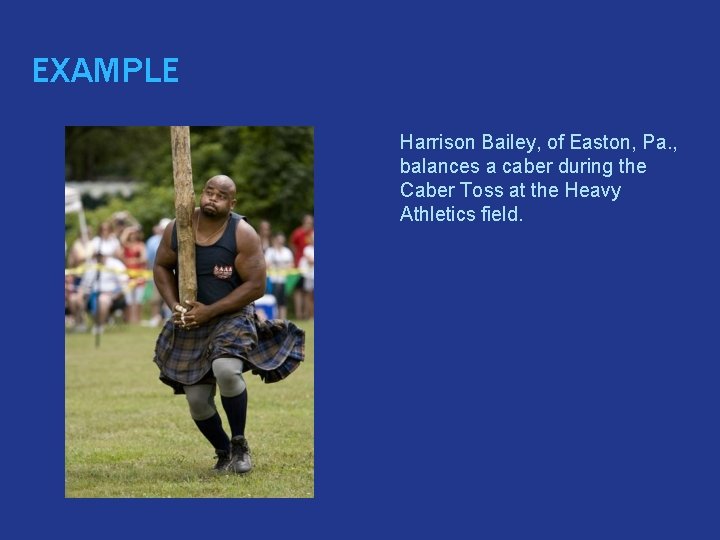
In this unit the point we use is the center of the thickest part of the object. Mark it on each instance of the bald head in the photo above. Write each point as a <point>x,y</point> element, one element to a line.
<point>218,197</point>
<point>223,183</point>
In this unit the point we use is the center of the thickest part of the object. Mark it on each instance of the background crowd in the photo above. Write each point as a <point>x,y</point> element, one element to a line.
<point>108,278</point>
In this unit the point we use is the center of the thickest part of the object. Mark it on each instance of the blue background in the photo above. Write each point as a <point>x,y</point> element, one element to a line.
<point>555,378</point>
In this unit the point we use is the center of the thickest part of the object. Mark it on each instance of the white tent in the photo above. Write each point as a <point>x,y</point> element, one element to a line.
<point>73,203</point>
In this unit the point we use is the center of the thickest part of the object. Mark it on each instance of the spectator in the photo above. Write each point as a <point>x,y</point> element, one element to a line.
<point>101,290</point>
<point>279,260</point>
<point>298,240</point>
<point>265,233</point>
<point>307,267</point>
<point>106,242</point>
<point>73,319</point>
<point>121,221</point>
<point>159,311</point>
<point>80,251</point>
<point>134,256</point>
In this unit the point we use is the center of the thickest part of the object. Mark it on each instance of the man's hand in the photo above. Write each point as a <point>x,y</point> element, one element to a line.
<point>178,316</point>
<point>192,317</point>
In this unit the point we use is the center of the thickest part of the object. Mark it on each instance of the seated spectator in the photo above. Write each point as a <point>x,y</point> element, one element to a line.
<point>101,290</point>
<point>77,258</point>
<point>80,251</point>
<point>71,320</point>
<point>106,242</point>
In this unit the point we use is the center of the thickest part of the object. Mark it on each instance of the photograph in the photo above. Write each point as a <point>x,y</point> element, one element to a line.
<point>189,311</point>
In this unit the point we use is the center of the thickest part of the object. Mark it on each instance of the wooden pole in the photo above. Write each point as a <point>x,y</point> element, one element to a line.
<point>184,207</point>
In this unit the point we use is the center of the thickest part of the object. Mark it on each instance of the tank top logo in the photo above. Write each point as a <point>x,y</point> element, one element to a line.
<point>222,272</point>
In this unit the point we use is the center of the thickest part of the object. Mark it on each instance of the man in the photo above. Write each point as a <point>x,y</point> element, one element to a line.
<point>215,339</point>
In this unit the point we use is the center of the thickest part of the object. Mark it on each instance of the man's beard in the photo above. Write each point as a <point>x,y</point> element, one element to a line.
<point>209,211</point>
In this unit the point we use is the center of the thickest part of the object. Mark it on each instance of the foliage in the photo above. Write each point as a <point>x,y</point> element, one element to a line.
<point>148,208</point>
<point>273,168</point>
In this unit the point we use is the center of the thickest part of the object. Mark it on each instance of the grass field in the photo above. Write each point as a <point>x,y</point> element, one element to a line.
<point>127,435</point>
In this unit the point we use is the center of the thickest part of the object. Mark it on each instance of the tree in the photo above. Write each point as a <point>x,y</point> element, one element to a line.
<point>273,168</point>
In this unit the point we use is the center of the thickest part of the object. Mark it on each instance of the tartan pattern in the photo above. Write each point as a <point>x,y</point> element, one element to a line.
<point>271,349</point>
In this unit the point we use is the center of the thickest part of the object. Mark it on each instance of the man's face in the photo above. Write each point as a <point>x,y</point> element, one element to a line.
<point>217,199</point>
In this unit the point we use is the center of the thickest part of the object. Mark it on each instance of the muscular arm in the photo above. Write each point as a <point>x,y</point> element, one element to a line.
<point>250,264</point>
<point>163,270</point>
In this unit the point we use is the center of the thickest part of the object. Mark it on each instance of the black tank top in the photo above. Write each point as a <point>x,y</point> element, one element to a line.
<point>215,264</point>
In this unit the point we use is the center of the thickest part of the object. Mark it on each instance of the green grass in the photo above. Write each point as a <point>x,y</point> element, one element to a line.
<point>127,435</point>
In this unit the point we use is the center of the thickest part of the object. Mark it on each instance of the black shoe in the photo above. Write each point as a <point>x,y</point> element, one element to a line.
<point>223,460</point>
<point>240,461</point>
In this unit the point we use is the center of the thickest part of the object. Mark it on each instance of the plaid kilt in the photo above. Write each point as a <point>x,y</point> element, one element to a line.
<point>271,349</point>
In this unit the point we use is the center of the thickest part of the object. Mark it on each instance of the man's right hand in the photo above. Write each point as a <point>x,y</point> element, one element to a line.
<point>179,315</point>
